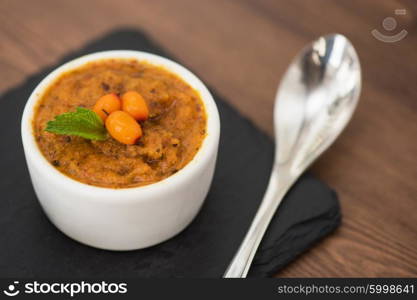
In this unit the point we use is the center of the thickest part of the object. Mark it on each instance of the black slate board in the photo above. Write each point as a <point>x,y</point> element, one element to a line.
<point>30,246</point>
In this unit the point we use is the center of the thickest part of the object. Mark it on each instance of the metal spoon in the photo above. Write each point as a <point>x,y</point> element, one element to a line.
<point>314,102</point>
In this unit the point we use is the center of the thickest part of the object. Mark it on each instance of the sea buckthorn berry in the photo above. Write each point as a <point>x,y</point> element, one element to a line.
<point>123,128</point>
<point>134,104</point>
<point>106,105</point>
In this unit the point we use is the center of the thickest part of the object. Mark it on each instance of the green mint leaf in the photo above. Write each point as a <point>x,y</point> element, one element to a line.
<point>83,122</point>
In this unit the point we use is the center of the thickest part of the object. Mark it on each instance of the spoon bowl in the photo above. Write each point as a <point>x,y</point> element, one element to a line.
<point>314,102</point>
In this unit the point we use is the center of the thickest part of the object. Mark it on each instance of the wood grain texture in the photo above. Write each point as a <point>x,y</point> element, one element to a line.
<point>242,48</point>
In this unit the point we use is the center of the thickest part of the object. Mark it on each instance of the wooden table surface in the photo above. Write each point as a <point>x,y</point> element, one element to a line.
<point>242,49</point>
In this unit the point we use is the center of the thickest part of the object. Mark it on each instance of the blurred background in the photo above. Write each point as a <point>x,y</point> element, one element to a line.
<point>242,48</point>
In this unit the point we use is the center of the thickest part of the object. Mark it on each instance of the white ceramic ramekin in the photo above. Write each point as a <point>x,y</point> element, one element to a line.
<point>131,218</point>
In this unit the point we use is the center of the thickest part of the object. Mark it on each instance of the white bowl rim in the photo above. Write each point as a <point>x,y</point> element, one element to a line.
<point>112,195</point>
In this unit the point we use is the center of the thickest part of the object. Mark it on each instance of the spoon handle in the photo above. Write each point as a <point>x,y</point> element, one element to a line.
<point>278,186</point>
